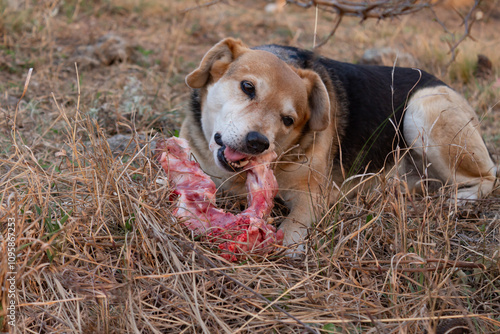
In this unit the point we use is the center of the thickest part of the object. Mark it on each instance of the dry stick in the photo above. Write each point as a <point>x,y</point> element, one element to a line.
<point>208,4</point>
<point>215,268</point>
<point>196,271</point>
<point>77,114</point>
<point>487,317</point>
<point>375,9</point>
<point>365,10</point>
<point>467,31</point>
<point>335,27</point>
<point>447,264</point>
<point>26,84</point>
<point>410,270</point>
<point>416,262</point>
<point>52,302</point>
<point>315,27</point>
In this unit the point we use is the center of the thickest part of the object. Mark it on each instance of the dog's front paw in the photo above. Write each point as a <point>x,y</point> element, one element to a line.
<point>296,251</point>
<point>294,236</point>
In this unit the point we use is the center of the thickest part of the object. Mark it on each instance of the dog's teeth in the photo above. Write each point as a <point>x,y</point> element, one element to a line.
<point>238,164</point>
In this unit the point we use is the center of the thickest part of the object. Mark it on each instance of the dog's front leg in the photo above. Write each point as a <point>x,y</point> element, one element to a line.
<point>296,226</point>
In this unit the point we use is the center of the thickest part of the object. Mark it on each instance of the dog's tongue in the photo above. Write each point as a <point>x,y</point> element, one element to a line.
<point>233,155</point>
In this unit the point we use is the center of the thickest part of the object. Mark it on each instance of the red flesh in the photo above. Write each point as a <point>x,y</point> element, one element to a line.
<point>236,235</point>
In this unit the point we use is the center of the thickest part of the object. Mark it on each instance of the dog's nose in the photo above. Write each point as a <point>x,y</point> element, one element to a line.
<point>218,139</point>
<point>256,142</point>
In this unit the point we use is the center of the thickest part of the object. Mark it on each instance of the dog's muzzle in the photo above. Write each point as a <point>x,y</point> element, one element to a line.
<point>235,160</point>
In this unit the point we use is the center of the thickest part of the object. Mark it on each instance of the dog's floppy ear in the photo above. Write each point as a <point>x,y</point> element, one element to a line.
<point>215,62</point>
<point>318,99</point>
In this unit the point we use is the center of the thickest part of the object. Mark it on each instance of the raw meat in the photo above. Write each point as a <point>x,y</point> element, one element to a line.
<point>236,235</point>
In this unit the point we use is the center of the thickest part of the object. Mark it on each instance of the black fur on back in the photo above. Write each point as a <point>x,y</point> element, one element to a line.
<point>374,98</point>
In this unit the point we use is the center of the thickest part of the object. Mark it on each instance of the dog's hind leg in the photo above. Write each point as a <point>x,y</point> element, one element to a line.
<point>443,132</point>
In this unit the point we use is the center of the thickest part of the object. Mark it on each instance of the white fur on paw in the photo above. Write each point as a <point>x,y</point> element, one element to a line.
<point>296,251</point>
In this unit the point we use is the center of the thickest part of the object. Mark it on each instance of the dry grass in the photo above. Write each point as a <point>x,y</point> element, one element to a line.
<point>97,248</point>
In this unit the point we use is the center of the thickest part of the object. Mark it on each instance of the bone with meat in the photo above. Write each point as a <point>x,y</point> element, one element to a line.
<point>236,235</point>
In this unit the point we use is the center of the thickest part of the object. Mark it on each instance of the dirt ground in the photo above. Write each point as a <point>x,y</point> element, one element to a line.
<point>97,248</point>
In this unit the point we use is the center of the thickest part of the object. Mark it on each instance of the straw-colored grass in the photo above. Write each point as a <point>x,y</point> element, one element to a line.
<point>98,250</point>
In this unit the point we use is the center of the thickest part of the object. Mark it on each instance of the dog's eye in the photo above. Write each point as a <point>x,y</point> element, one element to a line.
<point>287,120</point>
<point>248,88</point>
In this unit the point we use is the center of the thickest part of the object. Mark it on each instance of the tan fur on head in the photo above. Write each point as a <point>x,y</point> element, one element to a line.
<point>217,60</point>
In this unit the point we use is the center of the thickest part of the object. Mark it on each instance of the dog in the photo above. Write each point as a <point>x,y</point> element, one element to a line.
<point>329,121</point>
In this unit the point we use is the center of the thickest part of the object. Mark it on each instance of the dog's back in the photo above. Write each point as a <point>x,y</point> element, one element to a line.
<point>375,97</point>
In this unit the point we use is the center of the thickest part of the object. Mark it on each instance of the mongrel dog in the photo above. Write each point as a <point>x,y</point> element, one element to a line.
<point>329,121</point>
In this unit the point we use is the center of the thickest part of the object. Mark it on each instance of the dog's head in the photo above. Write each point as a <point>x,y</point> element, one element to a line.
<point>253,102</point>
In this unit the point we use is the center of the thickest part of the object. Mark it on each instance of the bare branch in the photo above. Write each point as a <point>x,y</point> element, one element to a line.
<point>337,24</point>
<point>426,267</point>
<point>376,9</point>
<point>467,22</point>
<point>202,5</point>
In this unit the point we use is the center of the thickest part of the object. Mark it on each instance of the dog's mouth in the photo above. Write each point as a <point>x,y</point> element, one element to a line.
<point>232,160</point>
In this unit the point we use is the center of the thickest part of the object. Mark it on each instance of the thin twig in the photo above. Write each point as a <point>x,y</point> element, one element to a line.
<point>203,5</point>
<point>364,9</point>
<point>14,125</point>
<point>442,264</point>
<point>367,9</point>
<point>337,24</point>
<point>467,22</point>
